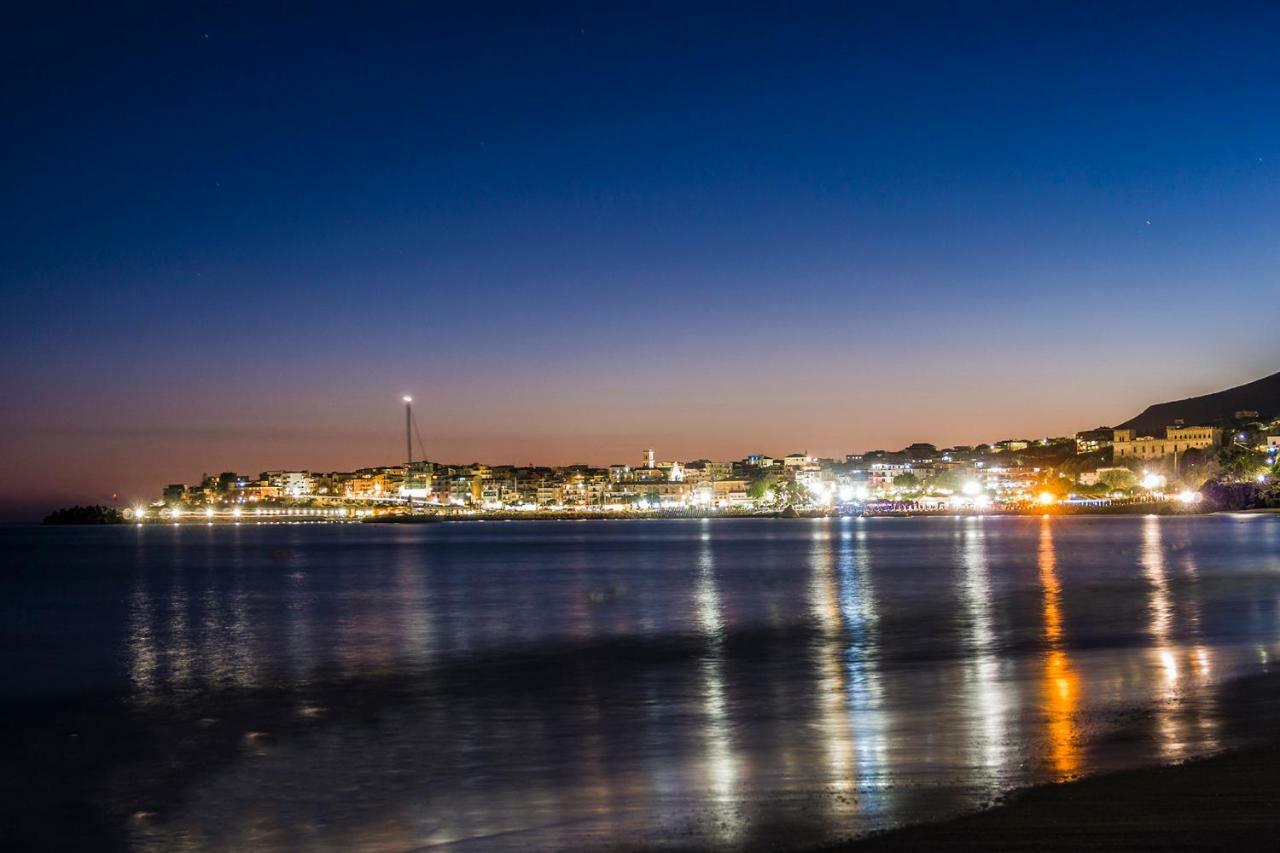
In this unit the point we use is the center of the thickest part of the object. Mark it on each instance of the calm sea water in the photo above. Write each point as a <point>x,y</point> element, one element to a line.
<point>617,684</point>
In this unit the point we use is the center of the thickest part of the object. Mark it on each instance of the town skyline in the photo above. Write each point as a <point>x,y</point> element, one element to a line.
<point>1169,450</point>
<point>331,450</point>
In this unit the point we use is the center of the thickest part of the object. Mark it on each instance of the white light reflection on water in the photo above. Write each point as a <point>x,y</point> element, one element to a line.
<point>865,691</point>
<point>987,693</point>
<point>1183,694</point>
<point>139,641</point>
<point>721,764</point>
<point>832,696</point>
<point>1160,630</point>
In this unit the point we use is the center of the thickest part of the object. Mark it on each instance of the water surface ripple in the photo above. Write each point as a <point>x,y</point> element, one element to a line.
<point>610,685</point>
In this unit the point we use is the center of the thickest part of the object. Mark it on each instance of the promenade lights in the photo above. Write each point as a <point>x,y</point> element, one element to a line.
<point>208,512</point>
<point>1189,497</point>
<point>139,512</point>
<point>1046,499</point>
<point>972,488</point>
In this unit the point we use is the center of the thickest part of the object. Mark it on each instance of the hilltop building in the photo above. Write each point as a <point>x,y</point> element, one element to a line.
<point>1091,440</point>
<point>1177,439</point>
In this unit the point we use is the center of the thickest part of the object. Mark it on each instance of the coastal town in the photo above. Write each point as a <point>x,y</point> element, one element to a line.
<point>1092,470</point>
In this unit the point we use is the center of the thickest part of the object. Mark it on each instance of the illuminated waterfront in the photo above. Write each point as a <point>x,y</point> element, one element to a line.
<point>719,684</point>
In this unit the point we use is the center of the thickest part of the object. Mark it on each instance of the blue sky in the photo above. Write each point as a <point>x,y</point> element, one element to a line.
<point>234,239</point>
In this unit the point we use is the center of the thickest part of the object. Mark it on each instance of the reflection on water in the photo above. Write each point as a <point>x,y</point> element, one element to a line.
<point>1183,699</point>
<point>726,684</point>
<point>985,688</point>
<point>1061,683</point>
<point>722,771</point>
<point>858,607</point>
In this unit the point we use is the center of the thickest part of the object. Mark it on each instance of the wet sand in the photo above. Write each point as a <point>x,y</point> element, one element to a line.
<point>1229,801</point>
<point>1226,802</point>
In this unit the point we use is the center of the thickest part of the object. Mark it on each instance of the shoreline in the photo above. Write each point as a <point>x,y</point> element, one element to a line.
<point>1225,800</point>
<point>1162,509</point>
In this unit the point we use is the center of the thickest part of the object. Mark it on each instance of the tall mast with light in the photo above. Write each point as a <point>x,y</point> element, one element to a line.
<point>408,434</point>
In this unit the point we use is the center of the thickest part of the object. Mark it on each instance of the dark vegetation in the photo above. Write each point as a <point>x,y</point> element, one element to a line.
<point>96,514</point>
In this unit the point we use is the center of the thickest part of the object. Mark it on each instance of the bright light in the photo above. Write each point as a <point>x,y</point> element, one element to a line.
<point>861,492</point>
<point>139,512</point>
<point>407,398</point>
<point>847,493</point>
<point>236,512</point>
<point>208,513</point>
<point>175,512</point>
<point>1046,499</point>
<point>1151,482</point>
<point>982,501</point>
<point>1262,478</point>
<point>1189,497</point>
<point>972,488</point>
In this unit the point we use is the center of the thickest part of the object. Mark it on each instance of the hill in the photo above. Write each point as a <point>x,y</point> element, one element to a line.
<point>1262,396</point>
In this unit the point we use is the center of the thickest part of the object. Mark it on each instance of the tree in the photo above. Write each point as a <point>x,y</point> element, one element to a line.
<point>1094,490</point>
<point>950,481</point>
<point>96,514</point>
<point>761,486</point>
<point>1118,479</point>
<point>906,483</point>
<point>794,493</point>
<point>1059,486</point>
<point>1239,463</point>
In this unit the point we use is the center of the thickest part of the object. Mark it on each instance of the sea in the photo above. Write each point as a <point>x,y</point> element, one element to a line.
<point>706,684</point>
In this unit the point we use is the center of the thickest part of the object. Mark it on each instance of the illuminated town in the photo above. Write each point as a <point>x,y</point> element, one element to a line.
<point>1096,470</point>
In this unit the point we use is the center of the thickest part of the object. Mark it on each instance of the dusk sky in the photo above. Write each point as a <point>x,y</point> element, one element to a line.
<point>233,241</point>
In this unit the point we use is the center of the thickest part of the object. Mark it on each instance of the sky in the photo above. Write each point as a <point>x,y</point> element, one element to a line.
<point>234,238</point>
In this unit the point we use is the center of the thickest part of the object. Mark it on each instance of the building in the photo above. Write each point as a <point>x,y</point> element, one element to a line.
<point>1092,478</point>
<point>1092,440</point>
<point>921,452</point>
<point>880,475</point>
<point>1126,445</point>
<point>800,461</point>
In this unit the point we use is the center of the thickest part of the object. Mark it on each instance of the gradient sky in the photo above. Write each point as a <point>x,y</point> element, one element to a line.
<point>233,240</point>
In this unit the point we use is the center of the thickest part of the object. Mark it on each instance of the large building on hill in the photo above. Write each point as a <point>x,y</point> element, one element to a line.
<point>1127,445</point>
